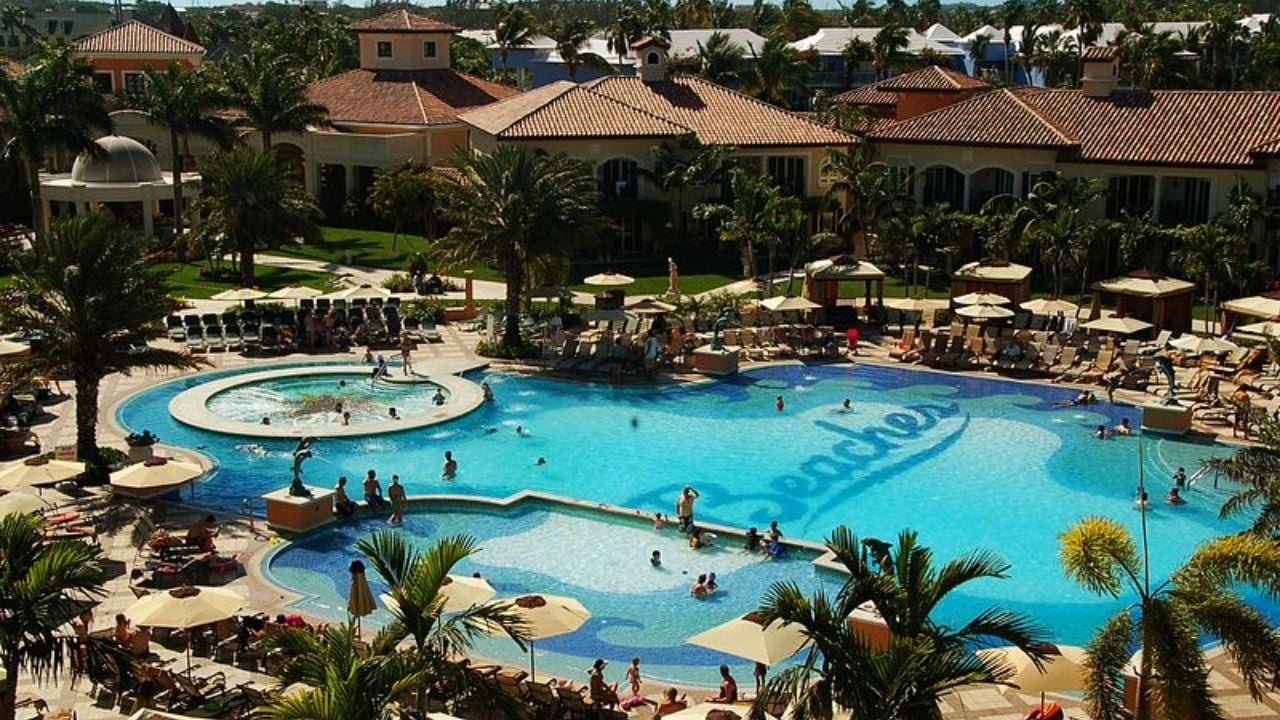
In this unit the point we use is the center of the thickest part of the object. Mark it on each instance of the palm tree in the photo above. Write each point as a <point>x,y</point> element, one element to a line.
<point>765,17</point>
<point>1011,12</point>
<point>978,52</point>
<point>1262,69</point>
<point>251,201</point>
<point>515,205</point>
<point>184,102</point>
<point>1152,60</point>
<point>720,60</point>
<point>1086,16</point>
<point>571,36</point>
<point>799,19</point>
<point>343,682</point>
<point>514,27</point>
<point>1224,37</point>
<point>869,189</point>
<point>272,94</point>
<point>414,580</point>
<point>50,105</point>
<point>748,220</point>
<point>1255,470</point>
<point>779,71</point>
<point>693,13</point>
<point>683,164</point>
<point>627,26</point>
<point>1213,254</point>
<point>87,290</point>
<point>888,49</point>
<point>402,194</point>
<point>43,585</point>
<point>1169,619</point>
<point>924,659</point>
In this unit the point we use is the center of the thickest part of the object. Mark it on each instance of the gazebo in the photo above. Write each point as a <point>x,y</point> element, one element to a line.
<point>993,275</point>
<point>1163,301</point>
<point>822,279</point>
<point>1265,307</point>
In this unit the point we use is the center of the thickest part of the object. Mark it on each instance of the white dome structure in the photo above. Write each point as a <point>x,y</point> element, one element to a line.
<point>122,160</point>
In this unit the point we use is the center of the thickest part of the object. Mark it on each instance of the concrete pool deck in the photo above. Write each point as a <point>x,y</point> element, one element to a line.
<point>191,407</point>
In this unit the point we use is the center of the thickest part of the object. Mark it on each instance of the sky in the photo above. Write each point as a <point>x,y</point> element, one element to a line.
<point>821,4</point>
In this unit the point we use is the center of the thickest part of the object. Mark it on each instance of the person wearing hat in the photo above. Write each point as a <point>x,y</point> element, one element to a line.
<point>602,693</point>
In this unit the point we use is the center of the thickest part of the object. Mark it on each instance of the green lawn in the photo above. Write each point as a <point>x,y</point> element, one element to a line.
<point>185,281</point>
<point>657,284</point>
<point>372,248</point>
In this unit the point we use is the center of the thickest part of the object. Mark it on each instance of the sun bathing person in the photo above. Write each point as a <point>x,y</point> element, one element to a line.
<point>684,507</point>
<point>201,534</point>
<point>373,491</point>
<point>398,499</point>
<point>391,413</point>
<point>438,398</point>
<point>1180,477</point>
<point>1123,428</point>
<point>633,676</point>
<point>780,404</point>
<point>699,587</point>
<point>670,704</point>
<point>121,633</point>
<point>752,540</point>
<point>341,502</point>
<point>450,466</point>
<point>601,692</point>
<point>774,533</point>
<point>656,558</point>
<point>140,642</point>
<point>728,688</point>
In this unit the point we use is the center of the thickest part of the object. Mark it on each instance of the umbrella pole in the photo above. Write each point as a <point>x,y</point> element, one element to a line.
<point>533,673</point>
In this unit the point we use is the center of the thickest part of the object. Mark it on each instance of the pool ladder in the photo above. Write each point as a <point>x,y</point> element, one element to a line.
<point>246,506</point>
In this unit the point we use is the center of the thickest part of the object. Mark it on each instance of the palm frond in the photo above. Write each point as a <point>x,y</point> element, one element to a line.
<point>1098,553</point>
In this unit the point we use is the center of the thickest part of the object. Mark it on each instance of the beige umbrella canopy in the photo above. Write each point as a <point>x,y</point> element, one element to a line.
<point>154,477</point>
<point>360,292</point>
<point>544,616</point>
<point>1262,306</point>
<point>39,472</point>
<point>1268,328</point>
<point>981,298</point>
<point>240,294</point>
<point>359,597</point>
<point>10,350</point>
<point>649,306</point>
<point>1041,306</point>
<point>20,503</point>
<point>1063,669</point>
<point>185,607</point>
<point>913,304</point>
<point>608,279</point>
<point>1118,325</point>
<point>748,637</point>
<point>1197,345</point>
<point>295,292</point>
<point>459,592</point>
<point>984,311</point>
<point>783,303</point>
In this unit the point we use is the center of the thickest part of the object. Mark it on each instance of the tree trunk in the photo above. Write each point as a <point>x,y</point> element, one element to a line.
<point>1143,709</point>
<point>246,264</point>
<point>515,282</point>
<point>177,185</point>
<point>266,140</point>
<point>9,695</point>
<point>87,417</point>
<point>39,223</point>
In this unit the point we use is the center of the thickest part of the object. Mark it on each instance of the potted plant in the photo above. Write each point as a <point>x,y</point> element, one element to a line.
<point>141,445</point>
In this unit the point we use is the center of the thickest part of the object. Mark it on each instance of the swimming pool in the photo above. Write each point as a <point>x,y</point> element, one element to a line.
<point>321,401</point>
<point>970,462</point>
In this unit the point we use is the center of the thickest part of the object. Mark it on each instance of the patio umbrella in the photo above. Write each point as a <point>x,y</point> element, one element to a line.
<point>39,472</point>
<point>240,294</point>
<point>185,608</point>
<point>459,592</point>
<point>1266,327</point>
<point>1196,345</point>
<point>984,311</point>
<point>1118,325</point>
<point>748,637</point>
<point>1041,306</point>
<point>608,279</point>
<point>1063,668</point>
<point>20,503</point>
<point>786,303</point>
<point>295,292</point>
<point>981,298</point>
<point>359,597</point>
<point>10,350</point>
<point>545,616</point>
<point>913,304</point>
<point>650,306</point>
<point>154,477</point>
<point>360,292</point>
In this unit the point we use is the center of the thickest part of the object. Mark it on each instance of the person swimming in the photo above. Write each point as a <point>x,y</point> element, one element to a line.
<point>1175,497</point>
<point>656,558</point>
<point>1142,500</point>
<point>450,466</point>
<point>520,431</point>
<point>846,406</point>
<point>491,430</point>
<point>1124,428</point>
<point>541,461</point>
<point>780,404</point>
<point>1101,432</point>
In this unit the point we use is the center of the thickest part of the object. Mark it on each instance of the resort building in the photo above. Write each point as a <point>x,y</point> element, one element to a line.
<point>121,55</point>
<point>616,122</point>
<point>830,45</point>
<point>1175,154</point>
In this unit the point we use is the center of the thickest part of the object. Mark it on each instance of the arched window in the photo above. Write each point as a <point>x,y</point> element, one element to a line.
<point>943,184</point>
<point>652,59</point>
<point>988,183</point>
<point>618,178</point>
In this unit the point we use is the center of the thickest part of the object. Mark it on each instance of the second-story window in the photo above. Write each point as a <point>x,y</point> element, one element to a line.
<point>384,49</point>
<point>429,48</point>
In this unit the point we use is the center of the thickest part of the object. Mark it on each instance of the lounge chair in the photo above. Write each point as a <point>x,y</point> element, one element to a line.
<point>567,354</point>
<point>251,337</point>
<point>233,337</point>
<point>176,330</point>
<point>213,338</point>
<point>270,339</point>
<point>430,333</point>
<point>195,339</point>
<point>1161,341</point>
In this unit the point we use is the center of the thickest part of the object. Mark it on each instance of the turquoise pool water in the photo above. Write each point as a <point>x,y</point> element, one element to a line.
<point>603,561</point>
<point>309,402</point>
<point>969,462</point>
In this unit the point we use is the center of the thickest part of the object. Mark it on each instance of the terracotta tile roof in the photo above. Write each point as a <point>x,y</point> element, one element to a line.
<point>867,95</point>
<point>404,97</point>
<point>626,106</point>
<point>1100,52</point>
<point>136,38</point>
<point>1000,118</point>
<point>402,21</point>
<point>932,78</point>
<point>1160,127</point>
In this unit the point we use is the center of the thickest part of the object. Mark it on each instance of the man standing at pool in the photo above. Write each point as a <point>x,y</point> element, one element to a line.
<point>684,507</point>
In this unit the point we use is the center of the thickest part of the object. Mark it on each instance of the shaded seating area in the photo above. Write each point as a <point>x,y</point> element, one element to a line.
<point>1264,306</point>
<point>993,275</point>
<point>1162,301</point>
<point>822,281</point>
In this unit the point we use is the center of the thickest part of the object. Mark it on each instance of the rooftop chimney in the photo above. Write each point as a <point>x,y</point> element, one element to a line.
<point>651,58</point>
<point>1101,71</point>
